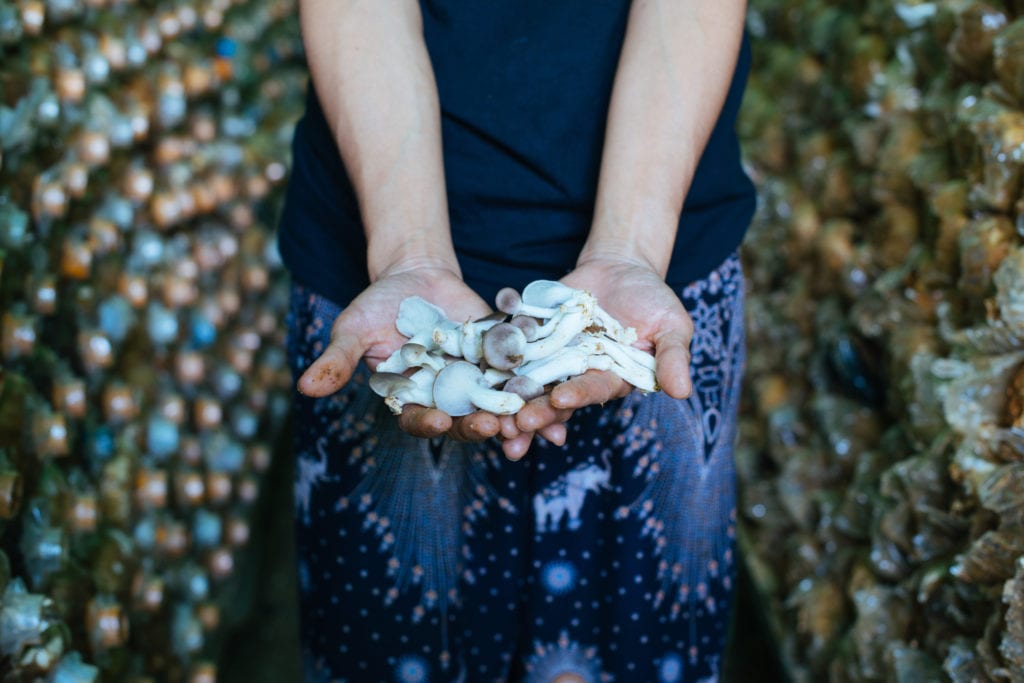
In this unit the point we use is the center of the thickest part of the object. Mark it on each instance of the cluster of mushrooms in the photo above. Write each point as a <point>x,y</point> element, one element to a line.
<point>546,335</point>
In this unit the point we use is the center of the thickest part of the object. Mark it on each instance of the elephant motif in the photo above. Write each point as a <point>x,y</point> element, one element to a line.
<point>311,472</point>
<point>567,493</point>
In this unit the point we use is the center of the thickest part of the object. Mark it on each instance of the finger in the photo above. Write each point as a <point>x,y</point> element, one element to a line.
<point>423,422</point>
<point>475,426</point>
<point>332,370</point>
<point>672,362</point>
<point>516,448</point>
<point>539,413</point>
<point>555,433</point>
<point>594,386</point>
<point>509,430</point>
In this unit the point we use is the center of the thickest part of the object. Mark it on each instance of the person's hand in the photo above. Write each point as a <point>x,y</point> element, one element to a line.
<point>365,329</point>
<point>635,295</point>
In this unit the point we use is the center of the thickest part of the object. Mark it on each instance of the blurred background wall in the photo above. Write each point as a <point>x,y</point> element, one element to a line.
<point>143,385</point>
<point>882,442</point>
<point>144,473</point>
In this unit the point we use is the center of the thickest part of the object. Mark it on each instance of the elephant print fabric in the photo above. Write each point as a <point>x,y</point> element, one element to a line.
<point>607,559</point>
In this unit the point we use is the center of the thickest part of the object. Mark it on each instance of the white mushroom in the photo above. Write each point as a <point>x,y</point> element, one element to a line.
<point>503,346</point>
<point>509,301</point>
<point>528,325</point>
<point>471,339</point>
<point>548,293</point>
<point>631,364</point>
<point>398,390</point>
<point>417,356</point>
<point>524,386</point>
<point>458,390</point>
<point>570,324</point>
<point>411,355</point>
<point>493,377</point>
<point>568,362</point>
<point>556,332</point>
<point>621,353</point>
<point>428,325</point>
<point>418,319</point>
<point>612,327</point>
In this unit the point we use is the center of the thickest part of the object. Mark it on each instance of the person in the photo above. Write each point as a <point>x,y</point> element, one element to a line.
<point>450,149</point>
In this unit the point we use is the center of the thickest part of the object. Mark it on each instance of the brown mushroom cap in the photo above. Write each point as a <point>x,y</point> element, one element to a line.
<point>503,346</point>
<point>524,387</point>
<point>508,300</point>
<point>528,325</point>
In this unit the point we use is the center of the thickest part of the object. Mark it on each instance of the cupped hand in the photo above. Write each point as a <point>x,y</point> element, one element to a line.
<point>365,329</point>
<point>635,295</point>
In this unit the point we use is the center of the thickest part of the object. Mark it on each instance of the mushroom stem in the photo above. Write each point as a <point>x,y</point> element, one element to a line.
<point>612,327</point>
<point>569,325</point>
<point>493,377</point>
<point>458,391</point>
<point>471,339</point>
<point>631,364</point>
<point>563,365</point>
<point>417,356</point>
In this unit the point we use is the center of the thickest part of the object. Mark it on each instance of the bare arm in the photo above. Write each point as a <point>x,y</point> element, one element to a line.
<point>672,79</point>
<point>673,76</point>
<point>372,73</point>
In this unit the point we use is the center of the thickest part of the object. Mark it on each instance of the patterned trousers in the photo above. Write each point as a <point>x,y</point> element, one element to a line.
<point>610,558</point>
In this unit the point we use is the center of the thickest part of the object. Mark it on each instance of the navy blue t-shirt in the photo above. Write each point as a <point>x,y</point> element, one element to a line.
<point>524,88</point>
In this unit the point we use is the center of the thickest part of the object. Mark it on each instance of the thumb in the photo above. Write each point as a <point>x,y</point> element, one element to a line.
<point>333,369</point>
<point>672,363</point>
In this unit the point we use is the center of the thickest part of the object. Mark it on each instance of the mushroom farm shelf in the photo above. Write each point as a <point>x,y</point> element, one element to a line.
<point>143,382</point>
<point>881,454</point>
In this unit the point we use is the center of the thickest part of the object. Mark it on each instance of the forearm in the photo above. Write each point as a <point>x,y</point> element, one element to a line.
<point>673,76</point>
<point>373,76</point>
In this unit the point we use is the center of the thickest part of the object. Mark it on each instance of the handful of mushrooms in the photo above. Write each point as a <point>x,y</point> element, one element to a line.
<point>548,334</point>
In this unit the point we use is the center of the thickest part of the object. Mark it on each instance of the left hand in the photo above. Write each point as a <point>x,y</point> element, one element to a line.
<point>635,295</point>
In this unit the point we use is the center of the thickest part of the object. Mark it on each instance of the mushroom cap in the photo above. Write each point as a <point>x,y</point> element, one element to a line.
<point>528,325</point>
<point>524,387</point>
<point>547,293</point>
<point>503,346</point>
<point>418,356</point>
<point>507,300</point>
<point>452,388</point>
<point>417,315</point>
<point>494,316</point>
<point>390,383</point>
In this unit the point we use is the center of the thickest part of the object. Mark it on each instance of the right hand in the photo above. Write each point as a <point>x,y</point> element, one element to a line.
<point>365,330</point>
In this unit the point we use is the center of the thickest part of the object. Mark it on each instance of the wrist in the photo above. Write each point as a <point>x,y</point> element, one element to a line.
<point>624,251</point>
<point>410,250</point>
<point>640,235</point>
